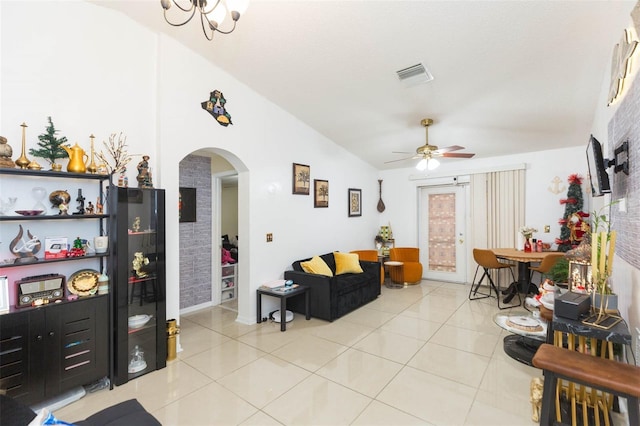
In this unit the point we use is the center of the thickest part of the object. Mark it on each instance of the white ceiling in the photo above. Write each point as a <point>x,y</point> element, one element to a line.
<point>510,76</point>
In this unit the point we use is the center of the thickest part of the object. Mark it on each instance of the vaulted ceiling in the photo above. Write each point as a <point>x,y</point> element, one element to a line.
<point>509,76</point>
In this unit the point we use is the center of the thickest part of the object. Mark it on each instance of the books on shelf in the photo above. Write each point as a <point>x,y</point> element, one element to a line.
<point>285,289</point>
<point>273,284</point>
<point>279,286</point>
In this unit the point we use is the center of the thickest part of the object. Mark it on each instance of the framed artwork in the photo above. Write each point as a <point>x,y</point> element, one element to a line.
<point>355,202</point>
<point>187,205</point>
<point>4,294</point>
<point>301,178</point>
<point>320,193</point>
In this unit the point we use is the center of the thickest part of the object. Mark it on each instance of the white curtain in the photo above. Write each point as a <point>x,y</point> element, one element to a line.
<point>497,210</point>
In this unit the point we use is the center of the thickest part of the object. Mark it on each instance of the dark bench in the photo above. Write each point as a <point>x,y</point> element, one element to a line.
<point>607,375</point>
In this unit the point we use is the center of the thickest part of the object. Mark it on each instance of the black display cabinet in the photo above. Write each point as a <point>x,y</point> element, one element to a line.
<point>139,305</point>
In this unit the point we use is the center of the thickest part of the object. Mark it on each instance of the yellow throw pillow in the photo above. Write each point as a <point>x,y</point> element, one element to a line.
<point>316,266</point>
<point>347,263</point>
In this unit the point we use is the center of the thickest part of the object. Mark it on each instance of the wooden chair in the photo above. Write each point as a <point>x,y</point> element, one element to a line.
<point>370,256</point>
<point>599,373</point>
<point>487,260</point>
<point>412,268</point>
<point>546,265</point>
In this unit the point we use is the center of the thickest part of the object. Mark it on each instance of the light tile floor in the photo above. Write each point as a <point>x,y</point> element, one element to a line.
<point>421,355</point>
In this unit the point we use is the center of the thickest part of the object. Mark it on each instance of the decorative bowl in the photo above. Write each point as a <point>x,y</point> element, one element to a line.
<point>29,212</point>
<point>138,321</point>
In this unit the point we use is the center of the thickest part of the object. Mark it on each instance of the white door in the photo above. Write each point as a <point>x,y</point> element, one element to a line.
<point>442,227</point>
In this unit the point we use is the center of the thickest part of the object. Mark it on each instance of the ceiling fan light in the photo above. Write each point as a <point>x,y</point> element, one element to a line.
<point>422,165</point>
<point>433,164</point>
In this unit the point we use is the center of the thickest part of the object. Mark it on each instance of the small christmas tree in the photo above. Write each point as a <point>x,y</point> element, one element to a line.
<point>50,146</point>
<point>570,231</point>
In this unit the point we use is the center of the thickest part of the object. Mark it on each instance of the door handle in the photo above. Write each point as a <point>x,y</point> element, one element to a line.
<point>461,241</point>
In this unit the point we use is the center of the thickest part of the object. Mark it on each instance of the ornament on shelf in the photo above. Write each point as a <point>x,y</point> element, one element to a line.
<point>51,147</point>
<point>80,201</point>
<point>60,200</point>
<point>23,161</point>
<point>5,154</point>
<point>117,150</point>
<point>92,167</point>
<point>25,250</point>
<point>139,262</point>
<point>144,173</point>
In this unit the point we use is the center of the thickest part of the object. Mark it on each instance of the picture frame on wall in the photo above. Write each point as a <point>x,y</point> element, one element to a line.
<point>301,179</point>
<point>187,205</point>
<point>320,193</point>
<point>4,294</point>
<point>355,202</point>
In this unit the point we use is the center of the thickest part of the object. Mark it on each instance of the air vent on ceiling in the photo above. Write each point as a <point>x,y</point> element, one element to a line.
<point>415,74</point>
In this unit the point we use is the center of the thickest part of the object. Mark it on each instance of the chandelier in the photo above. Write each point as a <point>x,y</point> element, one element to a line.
<point>212,13</point>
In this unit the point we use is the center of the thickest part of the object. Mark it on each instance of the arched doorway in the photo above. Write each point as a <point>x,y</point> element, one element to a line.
<point>201,174</point>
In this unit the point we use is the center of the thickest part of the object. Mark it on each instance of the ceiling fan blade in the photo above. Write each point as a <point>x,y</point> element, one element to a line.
<point>456,155</point>
<point>401,159</point>
<point>401,152</point>
<point>448,149</point>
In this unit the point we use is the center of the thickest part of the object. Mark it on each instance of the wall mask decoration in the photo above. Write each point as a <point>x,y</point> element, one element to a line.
<point>216,107</point>
<point>620,64</point>
<point>635,16</point>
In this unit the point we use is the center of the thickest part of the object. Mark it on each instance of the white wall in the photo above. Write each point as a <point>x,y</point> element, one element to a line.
<point>95,71</point>
<point>542,206</point>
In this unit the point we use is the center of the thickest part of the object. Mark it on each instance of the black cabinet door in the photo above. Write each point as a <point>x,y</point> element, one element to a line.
<point>49,350</point>
<point>22,349</point>
<point>77,344</point>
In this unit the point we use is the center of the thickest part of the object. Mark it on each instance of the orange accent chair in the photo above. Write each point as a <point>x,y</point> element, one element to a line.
<point>370,256</point>
<point>410,257</point>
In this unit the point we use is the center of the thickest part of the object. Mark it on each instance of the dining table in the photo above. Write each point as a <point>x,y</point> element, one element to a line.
<point>524,260</point>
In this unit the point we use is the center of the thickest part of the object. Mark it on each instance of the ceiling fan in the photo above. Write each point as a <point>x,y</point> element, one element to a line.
<point>427,153</point>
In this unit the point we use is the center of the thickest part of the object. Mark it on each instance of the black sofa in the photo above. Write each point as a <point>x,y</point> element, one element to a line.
<point>333,297</point>
<point>127,413</point>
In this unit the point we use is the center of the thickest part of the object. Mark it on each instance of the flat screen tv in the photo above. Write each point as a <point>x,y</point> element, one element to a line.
<point>597,168</point>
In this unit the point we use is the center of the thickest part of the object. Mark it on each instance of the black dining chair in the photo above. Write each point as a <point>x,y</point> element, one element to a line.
<point>489,263</point>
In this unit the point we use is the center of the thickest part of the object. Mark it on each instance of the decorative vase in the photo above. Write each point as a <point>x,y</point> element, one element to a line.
<point>92,167</point>
<point>23,161</point>
<point>527,245</point>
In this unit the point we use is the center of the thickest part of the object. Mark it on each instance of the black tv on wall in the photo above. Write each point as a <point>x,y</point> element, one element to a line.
<point>597,168</point>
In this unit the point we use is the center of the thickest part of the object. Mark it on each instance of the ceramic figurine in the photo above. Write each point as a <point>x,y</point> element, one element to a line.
<point>144,174</point>
<point>139,262</point>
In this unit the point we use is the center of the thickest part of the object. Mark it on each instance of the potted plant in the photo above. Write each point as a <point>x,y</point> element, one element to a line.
<point>559,274</point>
<point>603,241</point>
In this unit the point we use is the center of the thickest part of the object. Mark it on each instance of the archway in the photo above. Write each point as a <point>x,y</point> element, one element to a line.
<point>199,241</point>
